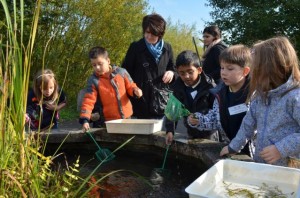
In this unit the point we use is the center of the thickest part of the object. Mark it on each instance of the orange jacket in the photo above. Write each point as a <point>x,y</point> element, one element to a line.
<point>112,89</point>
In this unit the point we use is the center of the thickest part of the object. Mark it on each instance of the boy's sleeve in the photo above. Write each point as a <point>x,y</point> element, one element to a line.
<point>129,84</point>
<point>88,102</point>
<point>209,121</point>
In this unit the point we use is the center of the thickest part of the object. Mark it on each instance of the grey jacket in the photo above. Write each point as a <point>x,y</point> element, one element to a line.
<point>277,122</point>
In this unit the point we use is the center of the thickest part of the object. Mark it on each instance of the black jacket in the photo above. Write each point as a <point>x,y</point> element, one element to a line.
<point>138,56</point>
<point>211,63</point>
<point>202,103</point>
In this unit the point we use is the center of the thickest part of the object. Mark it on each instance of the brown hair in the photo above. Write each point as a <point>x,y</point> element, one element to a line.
<point>273,62</point>
<point>155,23</point>
<point>42,78</point>
<point>98,51</point>
<point>213,30</point>
<point>236,54</point>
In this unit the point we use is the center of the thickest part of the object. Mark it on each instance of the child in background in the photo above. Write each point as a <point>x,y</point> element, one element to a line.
<point>192,89</point>
<point>46,99</point>
<point>229,106</point>
<point>274,108</point>
<point>110,84</point>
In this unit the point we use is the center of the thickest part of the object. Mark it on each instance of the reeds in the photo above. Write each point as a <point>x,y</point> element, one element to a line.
<point>24,171</point>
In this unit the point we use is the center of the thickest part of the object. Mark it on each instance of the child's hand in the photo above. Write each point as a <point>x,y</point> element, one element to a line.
<point>27,118</point>
<point>51,107</point>
<point>270,154</point>
<point>224,151</point>
<point>138,92</point>
<point>193,120</point>
<point>85,127</point>
<point>169,138</point>
<point>168,77</point>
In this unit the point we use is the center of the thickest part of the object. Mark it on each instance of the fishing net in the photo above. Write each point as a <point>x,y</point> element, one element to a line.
<point>175,110</point>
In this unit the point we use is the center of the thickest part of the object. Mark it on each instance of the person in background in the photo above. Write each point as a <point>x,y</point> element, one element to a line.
<point>44,101</point>
<point>230,105</point>
<point>110,85</point>
<point>213,46</point>
<point>150,57</point>
<point>192,90</point>
<point>274,109</point>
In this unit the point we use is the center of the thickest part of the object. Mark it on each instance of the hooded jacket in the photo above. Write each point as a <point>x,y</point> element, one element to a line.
<point>277,122</point>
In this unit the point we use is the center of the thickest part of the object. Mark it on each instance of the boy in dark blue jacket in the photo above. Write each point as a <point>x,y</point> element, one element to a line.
<point>192,90</point>
<point>230,105</point>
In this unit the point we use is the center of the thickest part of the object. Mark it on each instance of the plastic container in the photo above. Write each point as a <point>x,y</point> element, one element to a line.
<point>231,178</point>
<point>134,126</point>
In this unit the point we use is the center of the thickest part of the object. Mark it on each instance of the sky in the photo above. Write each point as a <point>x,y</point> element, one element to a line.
<point>186,11</point>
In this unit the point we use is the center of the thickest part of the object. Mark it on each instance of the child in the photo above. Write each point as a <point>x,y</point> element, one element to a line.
<point>274,109</point>
<point>45,100</point>
<point>229,106</point>
<point>192,89</point>
<point>110,84</point>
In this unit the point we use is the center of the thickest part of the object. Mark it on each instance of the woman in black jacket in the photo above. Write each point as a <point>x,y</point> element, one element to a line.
<point>213,46</point>
<point>149,59</point>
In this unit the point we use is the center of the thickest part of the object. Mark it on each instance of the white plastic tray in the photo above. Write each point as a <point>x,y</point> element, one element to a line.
<point>243,179</point>
<point>134,126</point>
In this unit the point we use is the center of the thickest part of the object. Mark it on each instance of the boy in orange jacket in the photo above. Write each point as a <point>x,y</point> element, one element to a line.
<point>111,85</point>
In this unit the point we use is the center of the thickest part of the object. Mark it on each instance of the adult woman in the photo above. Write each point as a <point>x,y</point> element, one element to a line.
<point>149,59</point>
<point>213,46</point>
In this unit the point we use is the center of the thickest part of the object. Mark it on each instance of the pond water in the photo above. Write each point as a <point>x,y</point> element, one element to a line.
<point>142,161</point>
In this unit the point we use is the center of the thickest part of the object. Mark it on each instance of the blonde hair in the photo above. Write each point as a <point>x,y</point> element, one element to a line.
<point>273,62</point>
<point>42,78</point>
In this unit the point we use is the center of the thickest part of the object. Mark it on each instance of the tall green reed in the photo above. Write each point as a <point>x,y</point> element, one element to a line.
<point>24,171</point>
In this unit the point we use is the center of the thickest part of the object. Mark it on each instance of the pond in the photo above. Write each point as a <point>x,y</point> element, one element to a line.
<point>142,161</point>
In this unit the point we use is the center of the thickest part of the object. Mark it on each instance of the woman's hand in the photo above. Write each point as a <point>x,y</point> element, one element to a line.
<point>85,127</point>
<point>168,77</point>
<point>138,92</point>
<point>270,154</point>
<point>169,138</point>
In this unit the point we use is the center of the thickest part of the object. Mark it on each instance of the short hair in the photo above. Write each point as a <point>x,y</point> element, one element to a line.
<point>213,30</point>
<point>98,51</point>
<point>236,54</point>
<point>155,23</point>
<point>186,58</point>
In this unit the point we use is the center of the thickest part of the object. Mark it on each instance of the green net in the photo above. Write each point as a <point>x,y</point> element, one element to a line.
<point>175,110</point>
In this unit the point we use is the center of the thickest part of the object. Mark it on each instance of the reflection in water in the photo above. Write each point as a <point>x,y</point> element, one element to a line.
<point>126,184</point>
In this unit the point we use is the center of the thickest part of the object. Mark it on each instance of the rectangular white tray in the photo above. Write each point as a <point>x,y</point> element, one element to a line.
<point>134,126</point>
<point>231,176</point>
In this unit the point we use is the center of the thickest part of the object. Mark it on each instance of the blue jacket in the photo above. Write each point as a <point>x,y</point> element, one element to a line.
<point>276,121</point>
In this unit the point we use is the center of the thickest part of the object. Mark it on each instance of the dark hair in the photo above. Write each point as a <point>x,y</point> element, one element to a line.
<point>187,58</point>
<point>98,51</point>
<point>213,30</point>
<point>236,54</point>
<point>155,23</point>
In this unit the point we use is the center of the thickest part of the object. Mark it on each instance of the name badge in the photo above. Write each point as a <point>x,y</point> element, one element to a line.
<point>237,109</point>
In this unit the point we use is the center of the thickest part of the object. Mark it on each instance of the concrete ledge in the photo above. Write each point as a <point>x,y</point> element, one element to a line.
<point>205,150</point>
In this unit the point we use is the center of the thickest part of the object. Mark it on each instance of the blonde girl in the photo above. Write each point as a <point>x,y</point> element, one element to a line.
<point>44,101</point>
<point>275,103</point>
